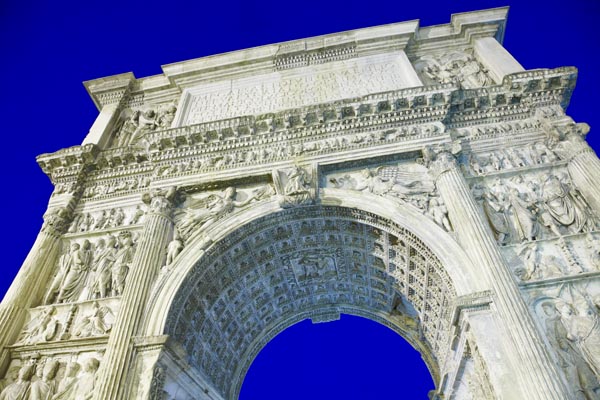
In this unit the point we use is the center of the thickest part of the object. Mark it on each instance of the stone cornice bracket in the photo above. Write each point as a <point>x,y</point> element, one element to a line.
<point>110,90</point>
<point>67,162</point>
<point>161,201</point>
<point>441,158</point>
<point>559,81</point>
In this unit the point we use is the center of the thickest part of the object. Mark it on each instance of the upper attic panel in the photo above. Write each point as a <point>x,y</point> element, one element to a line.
<point>301,73</point>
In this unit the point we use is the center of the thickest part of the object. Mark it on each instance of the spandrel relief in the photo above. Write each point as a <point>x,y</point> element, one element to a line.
<point>407,182</point>
<point>90,270</point>
<point>457,67</point>
<point>200,210</point>
<point>51,378</point>
<point>534,206</point>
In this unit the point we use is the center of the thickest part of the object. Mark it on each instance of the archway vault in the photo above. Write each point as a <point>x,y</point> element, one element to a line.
<point>267,268</point>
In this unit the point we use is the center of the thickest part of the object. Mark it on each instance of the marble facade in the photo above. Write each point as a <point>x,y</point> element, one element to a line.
<point>416,176</point>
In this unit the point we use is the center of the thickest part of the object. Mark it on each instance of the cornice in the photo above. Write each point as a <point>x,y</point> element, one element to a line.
<point>376,121</point>
<point>391,38</point>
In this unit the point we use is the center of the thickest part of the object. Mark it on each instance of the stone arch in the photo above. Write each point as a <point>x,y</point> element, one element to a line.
<point>409,303</point>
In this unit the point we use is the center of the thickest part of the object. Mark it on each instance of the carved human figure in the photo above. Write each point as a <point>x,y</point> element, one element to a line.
<point>522,217</point>
<point>577,372</point>
<point>147,122</point>
<point>120,268</point>
<point>43,328</point>
<point>593,248</point>
<point>76,224</point>
<point>87,223</point>
<point>68,384</point>
<point>101,220</point>
<point>583,329</point>
<point>167,117</point>
<point>103,262</point>
<point>19,390</point>
<point>439,213</point>
<point>538,266</point>
<point>370,181</point>
<point>75,279</point>
<point>45,387</point>
<point>137,215</point>
<point>97,322</point>
<point>174,248</point>
<point>118,218</point>
<point>494,208</point>
<point>87,380</point>
<point>560,204</point>
<point>66,262</point>
<point>298,182</point>
<point>215,206</point>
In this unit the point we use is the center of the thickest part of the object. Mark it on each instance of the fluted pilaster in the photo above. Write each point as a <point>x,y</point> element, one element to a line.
<point>540,378</point>
<point>584,165</point>
<point>34,273</point>
<point>147,261</point>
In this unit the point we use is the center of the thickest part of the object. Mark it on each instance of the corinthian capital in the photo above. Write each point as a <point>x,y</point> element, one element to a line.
<point>569,141</point>
<point>160,201</point>
<point>441,158</point>
<point>57,221</point>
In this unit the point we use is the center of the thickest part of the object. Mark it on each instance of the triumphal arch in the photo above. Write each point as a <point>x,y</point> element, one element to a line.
<point>416,176</point>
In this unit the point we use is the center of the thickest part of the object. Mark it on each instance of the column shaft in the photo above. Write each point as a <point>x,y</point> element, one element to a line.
<point>27,288</point>
<point>584,169</point>
<point>539,376</point>
<point>145,266</point>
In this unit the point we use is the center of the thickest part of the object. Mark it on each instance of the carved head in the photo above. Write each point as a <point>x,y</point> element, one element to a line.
<point>91,365</point>
<point>72,369</point>
<point>26,372</point>
<point>50,369</point>
<point>229,192</point>
<point>74,246</point>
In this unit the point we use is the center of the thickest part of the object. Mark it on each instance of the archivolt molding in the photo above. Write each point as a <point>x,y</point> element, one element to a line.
<point>389,291</point>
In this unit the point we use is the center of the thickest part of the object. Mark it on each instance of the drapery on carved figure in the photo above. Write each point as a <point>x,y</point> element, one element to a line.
<point>87,380</point>
<point>593,247</point>
<point>68,384</point>
<point>42,328</point>
<point>583,329</point>
<point>76,277</point>
<point>574,367</point>
<point>97,322</point>
<point>120,268</point>
<point>71,268</point>
<point>44,388</point>
<point>563,204</point>
<point>105,257</point>
<point>494,208</point>
<point>19,390</point>
<point>207,210</point>
<point>522,216</point>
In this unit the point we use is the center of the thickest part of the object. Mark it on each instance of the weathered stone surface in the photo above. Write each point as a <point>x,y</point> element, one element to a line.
<point>416,176</point>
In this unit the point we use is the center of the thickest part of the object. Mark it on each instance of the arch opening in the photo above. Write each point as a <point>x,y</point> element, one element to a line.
<point>310,262</point>
<point>348,358</point>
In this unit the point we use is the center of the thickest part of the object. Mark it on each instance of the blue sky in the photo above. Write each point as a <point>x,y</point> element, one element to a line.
<point>48,48</point>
